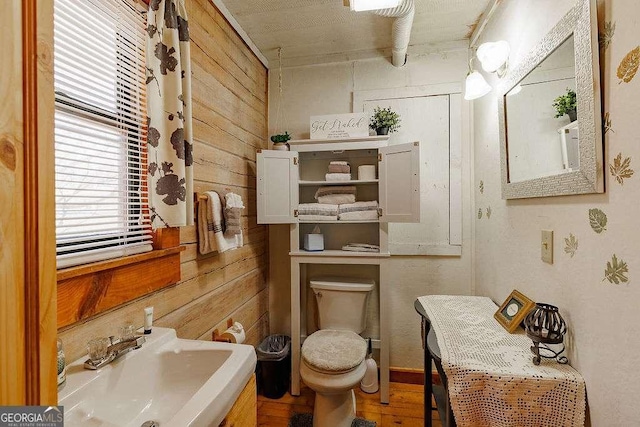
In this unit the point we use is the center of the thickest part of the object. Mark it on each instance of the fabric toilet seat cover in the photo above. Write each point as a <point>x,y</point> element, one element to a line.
<point>333,351</point>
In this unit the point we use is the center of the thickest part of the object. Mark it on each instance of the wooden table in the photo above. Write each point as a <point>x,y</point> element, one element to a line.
<point>439,392</point>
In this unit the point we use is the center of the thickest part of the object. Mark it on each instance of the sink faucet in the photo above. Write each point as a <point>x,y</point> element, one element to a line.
<point>116,349</point>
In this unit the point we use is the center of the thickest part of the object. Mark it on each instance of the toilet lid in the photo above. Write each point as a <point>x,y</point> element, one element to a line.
<point>334,351</point>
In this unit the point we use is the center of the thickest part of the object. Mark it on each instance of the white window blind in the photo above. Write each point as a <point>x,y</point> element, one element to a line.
<point>100,130</point>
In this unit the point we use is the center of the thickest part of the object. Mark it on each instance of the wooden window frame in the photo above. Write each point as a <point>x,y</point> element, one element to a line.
<point>90,289</point>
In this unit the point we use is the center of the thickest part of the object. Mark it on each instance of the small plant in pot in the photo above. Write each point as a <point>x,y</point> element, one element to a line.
<point>566,104</point>
<point>280,141</point>
<point>384,121</point>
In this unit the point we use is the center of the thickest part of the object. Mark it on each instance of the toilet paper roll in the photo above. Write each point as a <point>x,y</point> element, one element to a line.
<point>367,172</point>
<point>235,333</point>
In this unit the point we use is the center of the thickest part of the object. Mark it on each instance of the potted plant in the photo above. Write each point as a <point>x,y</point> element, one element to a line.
<point>566,104</point>
<point>384,121</point>
<point>280,141</point>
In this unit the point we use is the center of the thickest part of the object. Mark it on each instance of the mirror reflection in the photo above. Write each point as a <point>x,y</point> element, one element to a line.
<point>541,120</point>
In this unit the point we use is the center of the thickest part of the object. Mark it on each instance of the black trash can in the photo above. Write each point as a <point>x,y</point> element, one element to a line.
<point>273,371</point>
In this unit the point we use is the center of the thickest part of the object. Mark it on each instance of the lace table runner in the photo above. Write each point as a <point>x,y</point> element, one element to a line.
<point>491,378</point>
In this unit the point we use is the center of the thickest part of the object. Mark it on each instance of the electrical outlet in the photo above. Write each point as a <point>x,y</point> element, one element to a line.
<point>546,248</point>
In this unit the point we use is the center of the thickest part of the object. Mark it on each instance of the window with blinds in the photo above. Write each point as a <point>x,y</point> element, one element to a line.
<point>100,130</point>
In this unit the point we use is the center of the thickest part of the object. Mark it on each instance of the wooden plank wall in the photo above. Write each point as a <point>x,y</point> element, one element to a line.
<point>12,314</point>
<point>229,86</point>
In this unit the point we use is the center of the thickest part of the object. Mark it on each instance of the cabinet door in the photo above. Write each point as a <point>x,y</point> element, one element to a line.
<point>399,186</point>
<point>277,186</point>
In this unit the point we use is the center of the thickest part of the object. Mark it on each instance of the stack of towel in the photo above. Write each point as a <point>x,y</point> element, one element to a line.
<point>338,171</point>
<point>361,247</point>
<point>317,212</point>
<point>336,194</point>
<point>358,211</point>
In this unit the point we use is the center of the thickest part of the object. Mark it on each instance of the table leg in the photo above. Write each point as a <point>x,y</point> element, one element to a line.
<point>428,380</point>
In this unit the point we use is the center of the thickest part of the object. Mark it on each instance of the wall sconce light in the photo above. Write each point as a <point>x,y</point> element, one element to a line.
<point>475,85</point>
<point>494,57</point>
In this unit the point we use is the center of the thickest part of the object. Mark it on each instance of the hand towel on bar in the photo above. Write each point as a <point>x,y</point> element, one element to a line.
<point>317,209</point>
<point>359,216</point>
<point>210,226</point>
<point>317,218</point>
<point>337,177</point>
<point>339,168</point>
<point>358,206</point>
<point>232,214</point>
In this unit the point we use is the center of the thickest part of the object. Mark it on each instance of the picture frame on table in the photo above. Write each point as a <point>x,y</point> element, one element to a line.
<point>513,310</point>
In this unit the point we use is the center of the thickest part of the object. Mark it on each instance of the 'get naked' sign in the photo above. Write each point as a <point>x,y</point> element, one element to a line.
<point>336,126</point>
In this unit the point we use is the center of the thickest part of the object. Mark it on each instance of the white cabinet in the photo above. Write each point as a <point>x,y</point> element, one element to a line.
<point>280,183</point>
<point>399,188</point>
<point>277,186</point>
<point>289,178</point>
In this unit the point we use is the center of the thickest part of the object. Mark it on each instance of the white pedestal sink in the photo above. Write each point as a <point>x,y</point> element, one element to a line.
<point>171,381</point>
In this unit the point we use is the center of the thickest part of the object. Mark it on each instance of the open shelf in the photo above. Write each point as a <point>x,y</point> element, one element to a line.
<point>350,182</point>
<point>354,139</point>
<point>339,253</point>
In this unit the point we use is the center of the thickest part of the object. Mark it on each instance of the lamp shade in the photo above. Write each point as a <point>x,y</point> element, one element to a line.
<point>475,86</point>
<point>493,55</point>
<point>516,90</point>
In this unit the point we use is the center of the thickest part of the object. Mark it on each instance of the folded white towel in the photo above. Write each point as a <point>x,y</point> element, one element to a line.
<point>358,206</point>
<point>233,200</point>
<point>337,199</point>
<point>359,216</point>
<point>317,218</point>
<point>210,226</point>
<point>338,162</point>
<point>317,209</point>
<point>337,177</point>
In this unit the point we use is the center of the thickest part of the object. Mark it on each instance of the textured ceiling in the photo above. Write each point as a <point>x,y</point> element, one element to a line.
<point>321,28</point>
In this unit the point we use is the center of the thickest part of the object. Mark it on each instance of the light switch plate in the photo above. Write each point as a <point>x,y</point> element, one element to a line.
<point>546,248</point>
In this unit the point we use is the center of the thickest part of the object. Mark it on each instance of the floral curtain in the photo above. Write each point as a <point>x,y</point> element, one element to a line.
<point>170,134</point>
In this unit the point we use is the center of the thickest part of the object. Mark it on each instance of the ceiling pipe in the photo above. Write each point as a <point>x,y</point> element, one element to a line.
<point>401,33</point>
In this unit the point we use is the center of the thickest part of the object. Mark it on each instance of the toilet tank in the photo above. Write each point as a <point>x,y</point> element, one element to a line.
<point>342,302</point>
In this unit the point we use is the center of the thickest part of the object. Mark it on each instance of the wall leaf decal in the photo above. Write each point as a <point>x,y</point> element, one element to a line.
<point>598,220</point>
<point>571,245</point>
<point>620,169</point>
<point>606,36</point>
<point>489,211</point>
<point>606,123</point>
<point>480,213</point>
<point>481,187</point>
<point>629,66</point>
<point>616,271</point>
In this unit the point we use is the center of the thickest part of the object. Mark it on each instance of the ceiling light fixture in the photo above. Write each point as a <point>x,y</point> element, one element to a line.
<point>494,57</point>
<point>475,85</point>
<point>362,5</point>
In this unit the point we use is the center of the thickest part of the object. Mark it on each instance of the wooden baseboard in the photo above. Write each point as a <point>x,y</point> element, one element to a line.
<point>410,376</point>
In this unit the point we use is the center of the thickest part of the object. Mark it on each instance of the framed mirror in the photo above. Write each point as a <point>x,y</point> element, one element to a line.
<point>549,113</point>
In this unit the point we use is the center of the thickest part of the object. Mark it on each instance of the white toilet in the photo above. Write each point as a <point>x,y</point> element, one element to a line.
<point>333,358</point>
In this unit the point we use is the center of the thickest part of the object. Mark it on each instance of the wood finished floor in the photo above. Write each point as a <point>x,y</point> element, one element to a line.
<point>405,407</point>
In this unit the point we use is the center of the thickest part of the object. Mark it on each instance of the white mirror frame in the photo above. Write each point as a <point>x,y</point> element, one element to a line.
<point>581,21</point>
